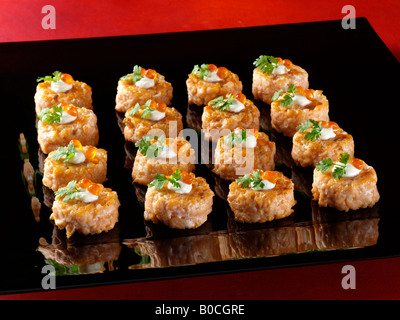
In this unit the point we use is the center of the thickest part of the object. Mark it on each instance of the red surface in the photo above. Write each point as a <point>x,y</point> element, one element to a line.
<point>374,280</point>
<point>21,21</point>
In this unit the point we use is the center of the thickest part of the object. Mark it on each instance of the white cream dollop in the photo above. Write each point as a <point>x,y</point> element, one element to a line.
<point>156,115</point>
<point>300,100</point>
<point>236,106</point>
<point>79,157</point>
<point>60,86</point>
<point>280,69</point>
<point>145,83</point>
<point>185,188</point>
<point>86,196</point>
<point>166,153</point>
<point>250,143</point>
<point>267,185</point>
<point>351,171</point>
<point>327,133</point>
<point>67,118</point>
<point>212,76</point>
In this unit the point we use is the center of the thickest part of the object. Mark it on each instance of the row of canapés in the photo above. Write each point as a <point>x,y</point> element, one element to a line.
<point>165,161</point>
<point>74,167</point>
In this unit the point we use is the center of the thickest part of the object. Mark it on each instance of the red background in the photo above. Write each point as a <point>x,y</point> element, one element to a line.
<point>21,21</point>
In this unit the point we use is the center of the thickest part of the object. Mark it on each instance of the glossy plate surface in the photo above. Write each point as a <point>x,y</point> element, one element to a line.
<point>353,68</point>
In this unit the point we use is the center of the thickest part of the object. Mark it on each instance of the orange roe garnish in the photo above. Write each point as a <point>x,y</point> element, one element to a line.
<point>212,67</point>
<point>94,189</point>
<point>287,63</point>
<point>187,178</point>
<point>271,176</point>
<point>67,78</point>
<point>84,183</point>
<point>178,143</point>
<point>357,163</point>
<point>153,104</point>
<point>90,154</point>
<point>309,94</point>
<point>90,186</point>
<point>77,144</point>
<point>280,61</point>
<point>330,124</point>
<point>240,97</point>
<point>300,90</point>
<point>253,131</point>
<point>70,109</point>
<point>150,73</point>
<point>222,72</point>
<point>161,107</point>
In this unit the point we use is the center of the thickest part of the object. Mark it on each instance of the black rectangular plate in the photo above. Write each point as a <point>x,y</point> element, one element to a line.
<point>356,72</point>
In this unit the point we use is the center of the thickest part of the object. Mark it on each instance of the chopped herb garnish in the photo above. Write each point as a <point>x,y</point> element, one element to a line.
<point>200,72</point>
<point>135,109</point>
<point>149,149</point>
<point>277,94</point>
<point>266,64</point>
<point>244,181</point>
<point>222,104</point>
<point>52,115</point>
<point>144,143</point>
<point>63,269</point>
<point>236,137</point>
<point>135,76</point>
<point>54,78</point>
<point>160,179</point>
<point>146,110</point>
<point>315,132</point>
<point>339,168</point>
<point>251,180</point>
<point>69,192</point>
<point>287,99</point>
<point>68,152</point>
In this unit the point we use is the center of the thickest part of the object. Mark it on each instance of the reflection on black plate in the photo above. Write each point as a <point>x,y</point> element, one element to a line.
<point>136,250</point>
<point>82,255</point>
<point>252,241</point>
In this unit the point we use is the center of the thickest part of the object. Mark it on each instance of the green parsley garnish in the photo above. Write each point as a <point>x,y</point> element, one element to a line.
<point>276,95</point>
<point>52,115</point>
<point>287,99</point>
<point>315,132</point>
<point>251,180</point>
<point>67,152</point>
<point>236,137</point>
<point>222,104</point>
<point>69,192</point>
<point>339,168</point>
<point>146,110</point>
<point>54,78</point>
<point>144,143</point>
<point>200,72</point>
<point>135,76</point>
<point>266,64</point>
<point>160,179</point>
<point>148,149</point>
